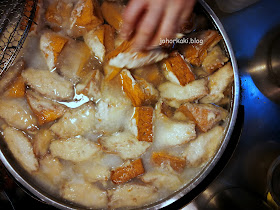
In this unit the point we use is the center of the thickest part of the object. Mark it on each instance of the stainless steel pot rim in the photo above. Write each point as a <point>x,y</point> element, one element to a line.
<point>39,193</point>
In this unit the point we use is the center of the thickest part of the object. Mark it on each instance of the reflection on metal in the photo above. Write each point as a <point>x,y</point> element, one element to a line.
<point>265,66</point>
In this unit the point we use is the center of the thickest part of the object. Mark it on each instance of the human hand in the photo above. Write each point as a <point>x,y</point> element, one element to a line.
<point>148,21</point>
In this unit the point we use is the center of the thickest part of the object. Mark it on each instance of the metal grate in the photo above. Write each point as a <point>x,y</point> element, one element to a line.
<point>16,18</point>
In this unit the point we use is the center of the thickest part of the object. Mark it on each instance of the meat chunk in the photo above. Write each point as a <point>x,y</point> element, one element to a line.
<point>196,53</point>
<point>203,147</point>
<point>124,144</point>
<point>132,195</point>
<point>205,116</point>
<point>21,148</point>
<point>75,122</point>
<point>101,40</point>
<point>127,171</point>
<point>218,83</point>
<point>44,109</point>
<point>85,194</point>
<point>75,149</point>
<point>112,13</point>
<point>188,93</point>
<point>177,70</point>
<point>214,60</point>
<point>124,57</point>
<point>17,114</point>
<point>49,84</point>
<point>162,158</point>
<point>142,123</point>
<point>140,92</point>
<point>162,180</point>
<point>51,44</point>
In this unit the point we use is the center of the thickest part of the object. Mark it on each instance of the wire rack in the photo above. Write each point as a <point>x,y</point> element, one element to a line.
<point>16,18</point>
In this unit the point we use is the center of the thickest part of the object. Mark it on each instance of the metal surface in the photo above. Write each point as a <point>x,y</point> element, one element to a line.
<point>16,18</point>
<point>31,186</point>
<point>259,142</point>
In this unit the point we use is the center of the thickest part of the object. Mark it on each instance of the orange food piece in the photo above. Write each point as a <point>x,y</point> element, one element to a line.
<point>137,89</point>
<point>144,122</point>
<point>109,38</point>
<point>151,74</point>
<point>160,158</point>
<point>111,72</point>
<point>127,172</point>
<point>58,13</point>
<point>182,71</point>
<point>27,12</point>
<point>17,90</point>
<point>112,13</point>
<point>205,116</point>
<point>86,13</point>
<point>197,52</point>
<point>44,109</point>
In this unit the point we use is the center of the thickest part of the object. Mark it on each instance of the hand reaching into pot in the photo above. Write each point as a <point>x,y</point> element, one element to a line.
<point>148,21</point>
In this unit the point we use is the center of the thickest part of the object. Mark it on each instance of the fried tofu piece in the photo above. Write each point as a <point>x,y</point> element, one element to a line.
<point>177,70</point>
<point>85,16</point>
<point>75,122</point>
<point>93,170</point>
<point>17,88</point>
<point>42,142</point>
<point>125,57</point>
<point>51,168</point>
<point>127,171</point>
<point>9,77</point>
<point>112,13</point>
<point>44,109</point>
<point>142,123</point>
<point>205,116</point>
<point>214,60</point>
<point>91,85</point>
<point>111,72</point>
<point>21,148</point>
<point>49,84</point>
<point>151,74</point>
<point>162,180</point>
<point>84,193</point>
<point>77,68</point>
<point>124,144</point>
<point>131,195</point>
<point>162,158</point>
<point>27,14</point>
<point>101,40</point>
<point>51,44</point>
<point>203,147</point>
<point>169,132</point>
<point>188,93</point>
<point>139,91</point>
<point>196,53</point>
<point>58,14</point>
<point>75,149</point>
<point>218,83</point>
<point>17,113</point>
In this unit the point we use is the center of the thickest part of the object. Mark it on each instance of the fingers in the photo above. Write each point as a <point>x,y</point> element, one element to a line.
<point>170,24</point>
<point>188,8</point>
<point>149,24</point>
<point>131,16</point>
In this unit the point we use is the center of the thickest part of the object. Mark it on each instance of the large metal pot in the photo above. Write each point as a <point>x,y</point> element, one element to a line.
<point>28,182</point>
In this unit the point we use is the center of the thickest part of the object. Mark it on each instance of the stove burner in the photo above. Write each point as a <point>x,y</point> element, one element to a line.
<point>265,66</point>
